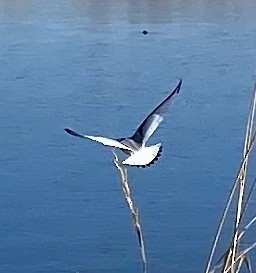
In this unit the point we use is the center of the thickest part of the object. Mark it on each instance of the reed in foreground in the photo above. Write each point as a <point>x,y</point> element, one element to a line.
<point>234,256</point>
<point>133,210</point>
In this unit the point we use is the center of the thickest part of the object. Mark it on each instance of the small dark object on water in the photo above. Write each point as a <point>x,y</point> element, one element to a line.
<point>145,32</point>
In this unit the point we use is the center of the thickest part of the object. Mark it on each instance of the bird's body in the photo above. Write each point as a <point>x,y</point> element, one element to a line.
<point>135,147</point>
<point>128,142</point>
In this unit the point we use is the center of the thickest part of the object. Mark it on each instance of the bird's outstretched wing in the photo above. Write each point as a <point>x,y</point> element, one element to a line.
<point>104,140</point>
<point>152,121</point>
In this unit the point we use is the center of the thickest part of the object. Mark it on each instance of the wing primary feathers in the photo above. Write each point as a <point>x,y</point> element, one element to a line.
<point>152,121</point>
<point>73,133</point>
<point>160,108</point>
<point>103,140</point>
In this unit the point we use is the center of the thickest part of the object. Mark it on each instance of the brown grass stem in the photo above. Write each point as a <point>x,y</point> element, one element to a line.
<point>133,210</point>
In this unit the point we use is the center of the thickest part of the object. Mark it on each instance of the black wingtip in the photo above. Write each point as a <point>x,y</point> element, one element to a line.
<point>67,130</point>
<point>177,89</point>
<point>174,92</point>
<point>71,132</point>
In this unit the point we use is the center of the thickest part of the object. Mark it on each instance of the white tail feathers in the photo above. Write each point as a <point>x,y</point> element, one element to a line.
<point>144,156</point>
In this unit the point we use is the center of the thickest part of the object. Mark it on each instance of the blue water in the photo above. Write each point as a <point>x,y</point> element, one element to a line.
<point>86,65</point>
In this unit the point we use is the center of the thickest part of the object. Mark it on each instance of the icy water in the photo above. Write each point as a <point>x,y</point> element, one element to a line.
<point>86,65</point>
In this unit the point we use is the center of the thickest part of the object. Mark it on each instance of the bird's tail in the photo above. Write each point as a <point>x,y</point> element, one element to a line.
<point>144,157</point>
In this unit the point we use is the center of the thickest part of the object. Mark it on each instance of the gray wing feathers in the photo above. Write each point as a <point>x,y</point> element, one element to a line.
<point>152,121</point>
<point>150,126</point>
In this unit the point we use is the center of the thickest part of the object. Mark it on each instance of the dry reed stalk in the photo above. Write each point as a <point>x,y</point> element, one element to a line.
<point>241,255</point>
<point>245,260</point>
<point>227,206</point>
<point>248,138</point>
<point>241,234</point>
<point>248,197</point>
<point>230,256</point>
<point>134,211</point>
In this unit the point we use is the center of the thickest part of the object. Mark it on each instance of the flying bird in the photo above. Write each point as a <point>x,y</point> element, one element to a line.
<point>139,154</point>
